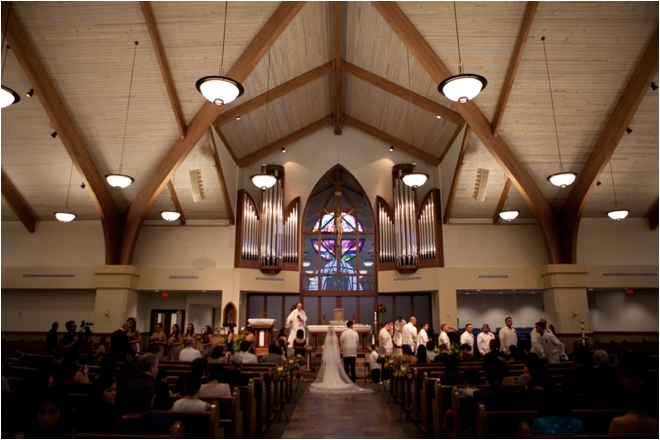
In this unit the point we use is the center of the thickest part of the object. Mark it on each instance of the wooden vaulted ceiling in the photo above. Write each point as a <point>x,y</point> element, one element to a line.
<point>306,66</point>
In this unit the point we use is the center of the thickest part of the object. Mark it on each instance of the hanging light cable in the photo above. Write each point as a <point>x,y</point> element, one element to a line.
<point>7,95</point>
<point>265,180</point>
<point>561,179</point>
<point>120,180</point>
<point>66,216</point>
<point>463,87</point>
<point>414,178</point>
<point>220,89</point>
<point>617,214</point>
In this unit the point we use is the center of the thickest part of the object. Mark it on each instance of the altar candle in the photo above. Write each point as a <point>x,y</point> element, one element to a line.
<point>353,318</point>
<point>375,316</point>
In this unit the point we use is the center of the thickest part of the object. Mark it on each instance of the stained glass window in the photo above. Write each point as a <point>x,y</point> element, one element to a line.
<point>349,249</point>
<point>327,223</point>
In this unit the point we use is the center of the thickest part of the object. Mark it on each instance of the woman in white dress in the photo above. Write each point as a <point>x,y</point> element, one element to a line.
<point>332,378</point>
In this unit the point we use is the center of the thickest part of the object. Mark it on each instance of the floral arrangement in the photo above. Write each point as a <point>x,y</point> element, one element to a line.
<point>281,374</point>
<point>382,359</point>
<point>392,364</point>
<point>380,308</point>
<point>403,373</point>
<point>436,349</point>
<point>298,361</point>
<point>237,342</point>
<point>455,348</point>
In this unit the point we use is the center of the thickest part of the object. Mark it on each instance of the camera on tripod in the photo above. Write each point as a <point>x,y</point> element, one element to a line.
<point>85,332</point>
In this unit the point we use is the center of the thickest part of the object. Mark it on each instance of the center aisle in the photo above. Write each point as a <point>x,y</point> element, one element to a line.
<point>342,416</point>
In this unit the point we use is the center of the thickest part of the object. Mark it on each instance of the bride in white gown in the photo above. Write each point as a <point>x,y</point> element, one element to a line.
<point>332,378</point>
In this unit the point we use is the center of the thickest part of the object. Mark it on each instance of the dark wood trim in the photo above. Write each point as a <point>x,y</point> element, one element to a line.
<point>177,204</point>
<point>13,200</point>
<point>338,38</point>
<point>627,333</point>
<point>620,117</point>
<point>457,176</point>
<point>513,65</point>
<point>502,201</point>
<point>221,178</point>
<point>164,66</point>
<point>653,216</point>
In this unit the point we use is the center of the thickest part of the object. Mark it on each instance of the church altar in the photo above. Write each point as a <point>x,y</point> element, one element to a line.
<point>316,330</point>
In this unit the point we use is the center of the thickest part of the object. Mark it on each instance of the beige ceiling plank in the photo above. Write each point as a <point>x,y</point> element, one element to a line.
<point>451,141</point>
<point>337,28</point>
<point>389,139</point>
<point>273,94</point>
<point>200,123</point>
<point>402,92</point>
<point>286,140</point>
<point>514,62</point>
<point>500,203</point>
<point>224,140</point>
<point>164,66</point>
<point>221,178</point>
<point>427,57</point>
<point>457,176</point>
<point>632,96</point>
<point>653,217</point>
<point>66,130</point>
<point>177,204</point>
<point>21,210</point>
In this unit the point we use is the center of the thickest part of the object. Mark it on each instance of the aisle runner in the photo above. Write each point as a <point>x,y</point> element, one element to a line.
<point>342,416</point>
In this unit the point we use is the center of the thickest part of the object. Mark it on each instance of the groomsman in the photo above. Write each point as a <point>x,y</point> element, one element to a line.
<point>385,339</point>
<point>409,334</point>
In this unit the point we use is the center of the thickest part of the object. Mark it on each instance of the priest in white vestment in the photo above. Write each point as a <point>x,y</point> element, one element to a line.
<point>297,320</point>
<point>398,331</point>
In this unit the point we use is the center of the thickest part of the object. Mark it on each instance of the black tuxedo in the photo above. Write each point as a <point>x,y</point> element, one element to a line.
<point>119,346</point>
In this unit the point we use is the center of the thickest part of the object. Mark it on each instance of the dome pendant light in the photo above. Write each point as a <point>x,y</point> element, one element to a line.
<point>220,90</point>
<point>509,215</point>
<point>7,95</point>
<point>121,181</point>
<point>617,214</point>
<point>263,180</point>
<point>415,179</point>
<point>563,178</point>
<point>170,216</point>
<point>66,216</point>
<point>463,87</point>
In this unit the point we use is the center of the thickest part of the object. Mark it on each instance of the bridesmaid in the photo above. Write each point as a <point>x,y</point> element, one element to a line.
<point>190,333</point>
<point>207,341</point>
<point>175,343</point>
<point>158,341</point>
<point>134,335</point>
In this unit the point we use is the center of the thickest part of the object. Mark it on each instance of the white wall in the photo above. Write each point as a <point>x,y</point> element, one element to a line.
<point>614,311</point>
<point>493,246</point>
<point>36,310</point>
<point>229,169</point>
<point>491,309</point>
<point>78,243</point>
<point>607,242</point>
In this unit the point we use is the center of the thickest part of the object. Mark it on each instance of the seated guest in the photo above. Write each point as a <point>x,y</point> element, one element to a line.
<point>139,419</point>
<point>466,353</point>
<point>216,385</point>
<point>444,352</point>
<point>471,379</point>
<point>430,354</point>
<point>635,398</point>
<point>452,376</point>
<point>189,353</point>
<point>248,358</point>
<point>516,354</point>
<point>199,367</point>
<point>554,412</point>
<point>604,373</point>
<point>49,416</point>
<point>218,355</point>
<point>100,409</point>
<point>235,378</point>
<point>494,352</point>
<point>274,355</point>
<point>147,367</point>
<point>421,355</point>
<point>191,401</point>
<point>407,357</point>
<point>107,366</point>
<point>73,372</point>
<point>581,379</point>
<point>125,376</point>
<point>496,395</point>
<point>537,381</point>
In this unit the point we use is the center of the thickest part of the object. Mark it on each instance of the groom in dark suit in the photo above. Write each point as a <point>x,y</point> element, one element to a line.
<point>349,343</point>
<point>119,346</point>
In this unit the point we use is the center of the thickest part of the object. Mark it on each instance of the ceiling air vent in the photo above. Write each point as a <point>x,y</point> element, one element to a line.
<point>480,185</point>
<point>406,279</point>
<point>49,275</point>
<point>628,274</point>
<point>492,276</point>
<point>269,279</point>
<point>184,277</point>
<point>196,185</point>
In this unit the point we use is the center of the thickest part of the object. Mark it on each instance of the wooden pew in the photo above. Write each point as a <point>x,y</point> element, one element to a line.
<point>524,431</point>
<point>176,431</point>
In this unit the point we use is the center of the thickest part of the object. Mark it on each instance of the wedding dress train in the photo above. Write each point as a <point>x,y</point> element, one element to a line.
<point>332,378</point>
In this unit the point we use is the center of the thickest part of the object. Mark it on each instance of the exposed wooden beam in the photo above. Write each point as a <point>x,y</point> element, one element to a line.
<point>457,176</point>
<point>428,58</point>
<point>286,140</point>
<point>500,203</point>
<point>653,216</point>
<point>221,178</point>
<point>337,42</point>
<point>514,62</point>
<point>273,94</point>
<point>402,92</point>
<point>13,200</point>
<point>451,141</point>
<point>241,69</point>
<point>622,114</point>
<point>59,116</point>
<point>177,204</point>
<point>164,66</point>
<point>224,140</point>
<point>391,140</point>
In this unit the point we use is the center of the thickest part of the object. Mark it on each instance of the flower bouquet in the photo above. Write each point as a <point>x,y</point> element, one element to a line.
<point>281,374</point>
<point>403,373</point>
<point>237,342</point>
<point>298,361</point>
<point>382,359</point>
<point>380,308</point>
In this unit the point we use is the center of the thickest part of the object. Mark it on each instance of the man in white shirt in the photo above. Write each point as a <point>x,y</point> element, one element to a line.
<point>409,334</point>
<point>552,347</point>
<point>444,337</point>
<point>189,353</point>
<point>537,346</point>
<point>297,320</point>
<point>349,341</point>
<point>385,339</point>
<point>422,336</point>
<point>248,358</point>
<point>398,331</point>
<point>374,365</point>
<point>483,340</point>
<point>467,337</point>
<point>508,336</point>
